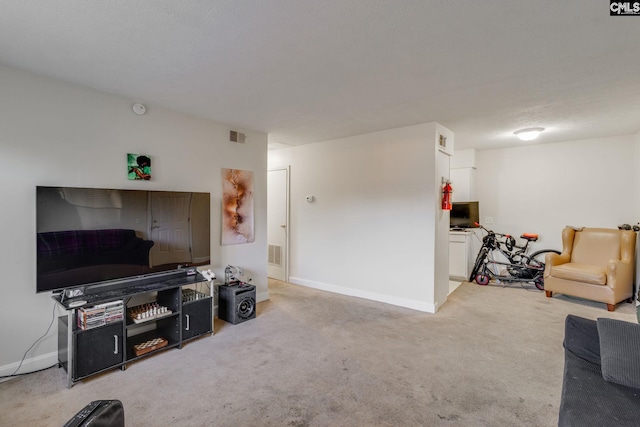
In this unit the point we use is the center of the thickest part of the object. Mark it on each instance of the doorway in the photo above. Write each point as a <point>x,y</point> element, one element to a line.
<point>278,223</point>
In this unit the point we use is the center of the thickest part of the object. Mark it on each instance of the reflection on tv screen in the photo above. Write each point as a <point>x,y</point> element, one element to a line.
<point>89,235</point>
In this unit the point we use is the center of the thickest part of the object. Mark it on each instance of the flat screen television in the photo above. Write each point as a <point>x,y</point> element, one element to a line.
<point>464,215</point>
<point>89,236</point>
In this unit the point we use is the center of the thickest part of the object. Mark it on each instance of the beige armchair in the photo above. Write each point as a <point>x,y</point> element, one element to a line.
<point>595,263</point>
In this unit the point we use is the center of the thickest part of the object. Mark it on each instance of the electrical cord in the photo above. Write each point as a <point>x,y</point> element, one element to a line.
<point>209,284</point>
<point>28,373</point>
<point>15,374</point>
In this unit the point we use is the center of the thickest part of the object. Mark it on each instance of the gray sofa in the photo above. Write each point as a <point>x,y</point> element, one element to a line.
<point>601,384</point>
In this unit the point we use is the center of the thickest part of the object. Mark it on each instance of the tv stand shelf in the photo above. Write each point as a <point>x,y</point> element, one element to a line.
<point>86,352</point>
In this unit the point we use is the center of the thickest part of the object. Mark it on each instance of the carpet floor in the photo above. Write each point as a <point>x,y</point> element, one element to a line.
<point>491,356</point>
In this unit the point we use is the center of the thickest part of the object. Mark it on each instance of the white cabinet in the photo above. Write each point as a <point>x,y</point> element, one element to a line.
<point>460,254</point>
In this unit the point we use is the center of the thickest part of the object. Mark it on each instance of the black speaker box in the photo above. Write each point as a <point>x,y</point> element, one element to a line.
<point>236,303</point>
<point>99,413</point>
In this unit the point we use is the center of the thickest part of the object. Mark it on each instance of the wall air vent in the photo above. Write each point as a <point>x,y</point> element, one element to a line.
<point>238,137</point>
<point>275,255</point>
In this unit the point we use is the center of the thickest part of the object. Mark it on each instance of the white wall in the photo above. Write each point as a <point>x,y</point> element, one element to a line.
<point>636,209</point>
<point>371,231</point>
<point>463,159</point>
<point>542,188</point>
<point>54,133</point>
<point>463,176</point>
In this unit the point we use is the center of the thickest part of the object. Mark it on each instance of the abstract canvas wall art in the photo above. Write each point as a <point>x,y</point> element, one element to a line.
<point>237,207</point>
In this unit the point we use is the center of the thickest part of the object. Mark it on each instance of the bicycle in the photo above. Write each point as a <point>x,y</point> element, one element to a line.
<point>517,264</point>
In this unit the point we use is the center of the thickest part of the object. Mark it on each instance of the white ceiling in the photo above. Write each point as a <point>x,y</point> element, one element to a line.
<point>309,70</point>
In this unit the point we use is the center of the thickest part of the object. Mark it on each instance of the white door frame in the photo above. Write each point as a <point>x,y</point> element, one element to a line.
<point>287,170</point>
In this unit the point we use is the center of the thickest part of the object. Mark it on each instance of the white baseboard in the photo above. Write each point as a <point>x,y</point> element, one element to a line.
<point>387,299</point>
<point>31,364</point>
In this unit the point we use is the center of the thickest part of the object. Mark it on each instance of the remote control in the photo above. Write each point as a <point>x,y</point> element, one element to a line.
<point>78,303</point>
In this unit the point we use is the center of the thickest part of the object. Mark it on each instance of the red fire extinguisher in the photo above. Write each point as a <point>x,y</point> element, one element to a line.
<point>446,196</point>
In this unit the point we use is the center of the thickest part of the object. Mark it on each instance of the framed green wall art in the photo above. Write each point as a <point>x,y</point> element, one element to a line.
<point>139,166</point>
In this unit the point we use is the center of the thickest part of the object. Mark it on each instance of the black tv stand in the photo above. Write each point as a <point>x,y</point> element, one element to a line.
<point>86,352</point>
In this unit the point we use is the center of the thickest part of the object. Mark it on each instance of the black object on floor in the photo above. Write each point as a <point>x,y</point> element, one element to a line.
<point>236,303</point>
<point>99,413</point>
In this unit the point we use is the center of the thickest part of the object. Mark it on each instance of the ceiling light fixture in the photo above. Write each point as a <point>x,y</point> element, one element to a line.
<point>528,134</point>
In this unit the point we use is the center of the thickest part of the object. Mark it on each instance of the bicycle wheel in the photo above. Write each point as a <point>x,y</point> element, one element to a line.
<point>479,260</point>
<point>482,279</point>
<point>535,263</point>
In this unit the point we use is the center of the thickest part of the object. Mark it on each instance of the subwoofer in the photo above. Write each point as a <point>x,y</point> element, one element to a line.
<point>236,303</point>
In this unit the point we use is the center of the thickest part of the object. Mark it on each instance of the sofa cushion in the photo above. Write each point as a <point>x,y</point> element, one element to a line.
<point>587,399</point>
<point>620,351</point>
<point>581,338</point>
<point>590,401</point>
<point>593,274</point>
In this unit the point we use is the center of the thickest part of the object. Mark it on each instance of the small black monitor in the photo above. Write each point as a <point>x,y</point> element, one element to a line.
<point>464,215</point>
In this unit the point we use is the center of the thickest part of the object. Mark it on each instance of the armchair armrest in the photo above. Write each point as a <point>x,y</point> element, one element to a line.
<point>551,259</point>
<point>619,272</point>
<point>556,259</point>
<point>628,246</point>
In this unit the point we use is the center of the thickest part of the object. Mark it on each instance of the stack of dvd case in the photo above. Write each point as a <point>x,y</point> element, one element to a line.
<point>113,311</point>
<point>101,314</point>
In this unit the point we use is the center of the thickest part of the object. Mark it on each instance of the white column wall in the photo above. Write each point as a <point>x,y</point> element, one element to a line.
<point>55,133</point>
<point>442,220</point>
<point>371,230</point>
